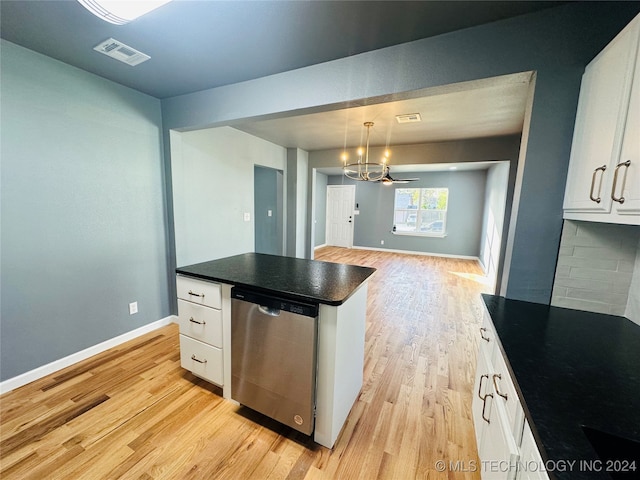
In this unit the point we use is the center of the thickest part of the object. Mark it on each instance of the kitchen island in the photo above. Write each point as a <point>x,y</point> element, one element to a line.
<point>339,290</point>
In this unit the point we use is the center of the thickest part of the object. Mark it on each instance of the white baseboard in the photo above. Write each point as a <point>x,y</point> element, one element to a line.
<point>428,254</point>
<point>484,269</point>
<point>320,246</point>
<point>48,369</point>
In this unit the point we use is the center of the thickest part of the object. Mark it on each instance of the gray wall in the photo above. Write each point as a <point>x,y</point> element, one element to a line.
<point>464,213</point>
<point>320,206</point>
<point>83,225</point>
<point>556,43</point>
<point>297,168</point>
<point>268,191</point>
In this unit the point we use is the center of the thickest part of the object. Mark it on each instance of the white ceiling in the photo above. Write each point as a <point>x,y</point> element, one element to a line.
<point>484,108</point>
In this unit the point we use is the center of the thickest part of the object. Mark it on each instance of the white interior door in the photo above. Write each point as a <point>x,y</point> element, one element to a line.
<point>340,206</point>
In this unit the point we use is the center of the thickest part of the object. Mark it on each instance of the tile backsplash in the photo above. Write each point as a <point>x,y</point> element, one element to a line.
<point>597,264</point>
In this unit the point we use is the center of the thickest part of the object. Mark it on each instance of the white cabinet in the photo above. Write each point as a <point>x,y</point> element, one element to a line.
<point>201,330</point>
<point>628,186</point>
<point>532,466</point>
<point>498,415</point>
<point>603,181</point>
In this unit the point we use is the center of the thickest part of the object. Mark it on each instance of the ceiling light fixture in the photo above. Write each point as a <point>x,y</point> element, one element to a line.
<point>363,169</point>
<point>120,12</point>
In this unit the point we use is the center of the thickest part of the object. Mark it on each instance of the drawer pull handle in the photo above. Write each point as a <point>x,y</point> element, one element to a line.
<point>484,404</point>
<point>195,321</point>
<point>201,295</point>
<point>482,330</point>
<point>619,199</point>
<point>495,385</point>
<point>193,357</point>
<point>593,183</point>
<point>480,386</point>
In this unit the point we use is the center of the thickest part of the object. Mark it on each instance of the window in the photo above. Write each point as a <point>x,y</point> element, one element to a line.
<point>420,211</point>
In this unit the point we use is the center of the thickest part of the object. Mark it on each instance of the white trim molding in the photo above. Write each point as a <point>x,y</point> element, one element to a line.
<point>48,369</point>
<point>427,254</point>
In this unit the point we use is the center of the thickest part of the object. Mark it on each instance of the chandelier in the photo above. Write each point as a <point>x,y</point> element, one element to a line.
<point>363,169</point>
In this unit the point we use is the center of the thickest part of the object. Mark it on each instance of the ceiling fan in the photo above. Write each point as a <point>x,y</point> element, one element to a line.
<point>387,179</point>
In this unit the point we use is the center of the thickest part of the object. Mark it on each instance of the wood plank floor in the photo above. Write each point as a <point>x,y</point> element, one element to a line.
<point>133,413</point>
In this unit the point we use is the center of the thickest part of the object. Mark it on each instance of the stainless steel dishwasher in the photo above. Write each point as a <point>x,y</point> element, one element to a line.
<point>273,357</point>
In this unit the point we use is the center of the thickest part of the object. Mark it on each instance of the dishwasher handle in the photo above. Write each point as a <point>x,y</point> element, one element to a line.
<point>272,312</point>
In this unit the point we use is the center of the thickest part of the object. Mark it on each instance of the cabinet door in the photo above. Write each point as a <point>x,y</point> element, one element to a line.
<point>498,450</point>
<point>531,464</point>
<point>598,133</point>
<point>629,174</point>
<point>481,388</point>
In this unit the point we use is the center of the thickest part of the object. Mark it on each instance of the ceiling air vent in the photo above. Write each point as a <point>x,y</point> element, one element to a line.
<point>122,52</point>
<point>409,118</point>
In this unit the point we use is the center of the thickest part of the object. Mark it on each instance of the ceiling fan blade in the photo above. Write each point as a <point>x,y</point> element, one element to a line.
<point>388,179</point>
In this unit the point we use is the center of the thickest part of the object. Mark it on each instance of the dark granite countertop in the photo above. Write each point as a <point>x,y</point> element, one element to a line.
<point>307,280</point>
<point>572,369</point>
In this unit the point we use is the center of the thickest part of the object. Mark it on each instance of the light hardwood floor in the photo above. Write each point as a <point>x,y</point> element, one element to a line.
<point>133,413</point>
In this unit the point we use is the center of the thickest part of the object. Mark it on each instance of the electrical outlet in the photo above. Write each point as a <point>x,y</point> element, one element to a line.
<point>133,308</point>
<point>381,242</point>
<point>247,216</point>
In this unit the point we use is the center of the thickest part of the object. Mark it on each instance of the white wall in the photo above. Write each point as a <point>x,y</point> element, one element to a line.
<point>632,311</point>
<point>319,209</point>
<point>301,203</point>
<point>595,266</point>
<point>493,219</point>
<point>297,191</point>
<point>212,178</point>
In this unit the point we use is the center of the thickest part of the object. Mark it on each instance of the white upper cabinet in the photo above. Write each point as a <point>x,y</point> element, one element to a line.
<point>628,185</point>
<point>603,182</point>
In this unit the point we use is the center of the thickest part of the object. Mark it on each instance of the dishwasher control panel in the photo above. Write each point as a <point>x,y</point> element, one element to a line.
<point>275,302</point>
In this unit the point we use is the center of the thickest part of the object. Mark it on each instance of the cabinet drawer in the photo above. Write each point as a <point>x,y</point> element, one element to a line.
<point>487,336</point>
<point>503,386</point>
<point>203,360</point>
<point>199,291</point>
<point>200,322</point>
<point>497,444</point>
